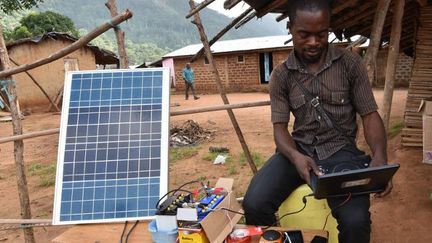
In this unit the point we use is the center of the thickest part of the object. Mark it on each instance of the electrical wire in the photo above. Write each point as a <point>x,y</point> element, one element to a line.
<point>232,211</point>
<point>340,205</point>
<point>130,231</point>
<point>166,194</point>
<point>176,190</point>
<point>188,183</point>
<point>291,213</point>
<point>124,230</point>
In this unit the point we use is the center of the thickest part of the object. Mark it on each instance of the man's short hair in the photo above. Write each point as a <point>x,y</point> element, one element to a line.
<point>308,5</point>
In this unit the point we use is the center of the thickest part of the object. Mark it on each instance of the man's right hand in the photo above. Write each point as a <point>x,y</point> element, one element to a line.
<point>304,165</point>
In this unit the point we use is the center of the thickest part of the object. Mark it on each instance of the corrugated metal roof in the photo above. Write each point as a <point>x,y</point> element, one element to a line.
<point>241,45</point>
<point>269,42</point>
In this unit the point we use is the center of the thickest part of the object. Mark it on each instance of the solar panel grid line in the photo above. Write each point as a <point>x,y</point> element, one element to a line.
<point>85,146</point>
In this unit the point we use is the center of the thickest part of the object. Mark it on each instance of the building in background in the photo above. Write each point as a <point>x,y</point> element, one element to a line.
<point>51,76</point>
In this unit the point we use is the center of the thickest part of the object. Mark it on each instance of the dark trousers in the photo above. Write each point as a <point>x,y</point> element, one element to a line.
<point>278,178</point>
<point>190,86</point>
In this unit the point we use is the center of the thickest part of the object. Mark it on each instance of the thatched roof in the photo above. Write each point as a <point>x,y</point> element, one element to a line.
<point>103,57</point>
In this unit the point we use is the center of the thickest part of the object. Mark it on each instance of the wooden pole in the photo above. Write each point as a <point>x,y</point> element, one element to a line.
<point>197,22</point>
<point>39,86</point>
<point>74,46</point>
<point>375,38</point>
<point>391,60</point>
<point>229,4</point>
<point>221,33</point>
<point>120,35</point>
<point>19,144</point>
<point>245,20</point>
<point>219,108</point>
<point>172,113</point>
<point>195,10</point>
<point>25,221</point>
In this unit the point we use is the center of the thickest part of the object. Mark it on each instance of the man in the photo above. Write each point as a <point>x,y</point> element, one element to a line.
<point>339,79</point>
<point>189,78</point>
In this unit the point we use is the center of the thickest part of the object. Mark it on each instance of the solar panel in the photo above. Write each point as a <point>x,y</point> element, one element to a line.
<point>113,146</point>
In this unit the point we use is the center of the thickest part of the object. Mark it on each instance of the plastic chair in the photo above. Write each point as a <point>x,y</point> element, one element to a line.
<point>312,217</point>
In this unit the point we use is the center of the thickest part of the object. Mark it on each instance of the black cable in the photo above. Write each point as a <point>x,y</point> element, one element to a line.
<point>176,190</point>
<point>124,229</point>
<point>232,211</point>
<point>187,183</point>
<point>130,231</point>
<point>291,213</point>
<point>166,194</point>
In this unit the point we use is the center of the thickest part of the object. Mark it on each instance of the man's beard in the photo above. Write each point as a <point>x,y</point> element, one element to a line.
<point>315,58</point>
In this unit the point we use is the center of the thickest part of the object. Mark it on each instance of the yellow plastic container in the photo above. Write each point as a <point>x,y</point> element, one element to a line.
<point>312,217</point>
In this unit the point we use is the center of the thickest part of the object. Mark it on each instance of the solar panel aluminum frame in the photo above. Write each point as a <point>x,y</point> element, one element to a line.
<point>163,182</point>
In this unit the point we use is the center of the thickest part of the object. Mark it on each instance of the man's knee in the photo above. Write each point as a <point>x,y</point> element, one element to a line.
<point>254,203</point>
<point>356,223</point>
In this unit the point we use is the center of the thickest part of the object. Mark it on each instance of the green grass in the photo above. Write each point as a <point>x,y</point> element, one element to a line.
<point>256,157</point>
<point>46,173</point>
<point>395,129</point>
<point>176,154</point>
<point>232,168</point>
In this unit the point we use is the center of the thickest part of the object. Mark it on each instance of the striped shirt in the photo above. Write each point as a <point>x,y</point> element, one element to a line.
<point>343,89</point>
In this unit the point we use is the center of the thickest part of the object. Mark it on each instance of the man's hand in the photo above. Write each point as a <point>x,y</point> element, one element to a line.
<point>379,161</point>
<point>304,165</point>
<point>387,191</point>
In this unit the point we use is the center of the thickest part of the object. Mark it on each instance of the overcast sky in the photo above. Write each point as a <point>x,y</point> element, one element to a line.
<point>234,12</point>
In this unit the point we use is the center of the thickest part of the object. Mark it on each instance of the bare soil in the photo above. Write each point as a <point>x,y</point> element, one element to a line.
<point>403,216</point>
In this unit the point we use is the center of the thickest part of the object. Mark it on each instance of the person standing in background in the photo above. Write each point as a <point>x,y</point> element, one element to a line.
<point>189,78</point>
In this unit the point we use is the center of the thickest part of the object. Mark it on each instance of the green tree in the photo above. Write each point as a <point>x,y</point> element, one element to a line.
<point>9,6</point>
<point>39,23</point>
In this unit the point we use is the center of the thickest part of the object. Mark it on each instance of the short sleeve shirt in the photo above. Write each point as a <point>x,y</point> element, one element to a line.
<point>343,89</point>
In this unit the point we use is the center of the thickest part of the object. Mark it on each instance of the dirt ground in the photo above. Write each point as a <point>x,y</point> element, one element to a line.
<point>403,216</point>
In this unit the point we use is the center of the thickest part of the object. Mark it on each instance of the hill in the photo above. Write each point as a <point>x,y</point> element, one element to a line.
<point>161,22</point>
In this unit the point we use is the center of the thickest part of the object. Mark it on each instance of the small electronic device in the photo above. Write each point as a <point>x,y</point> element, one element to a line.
<point>271,236</point>
<point>354,182</point>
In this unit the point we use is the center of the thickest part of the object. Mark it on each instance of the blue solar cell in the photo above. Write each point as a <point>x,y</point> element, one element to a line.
<point>112,166</point>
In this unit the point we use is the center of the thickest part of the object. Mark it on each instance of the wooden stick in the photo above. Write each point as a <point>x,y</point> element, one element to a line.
<point>197,22</point>
<point>198,8</point>
<point>39,86</point>
<point>375,38</point>
<point>246,19</point>
<point>29,135</point>
<point>269,7</point>
<point>120,35</point>
<point>391,60</point>
<point>173,113</point>
<point>229,4</point>
<point>25,221</point>
<point>19,144</point>
<point>282,17</point>
<point>76,45</point>
<point>220,107</point>
<point>221,33</point>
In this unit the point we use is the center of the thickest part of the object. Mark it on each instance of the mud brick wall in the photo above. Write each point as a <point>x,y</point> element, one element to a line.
<point>403,69</point>
<point>235,76</point>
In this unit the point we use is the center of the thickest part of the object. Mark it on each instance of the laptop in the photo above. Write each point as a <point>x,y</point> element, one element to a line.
<point>356,182</point>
